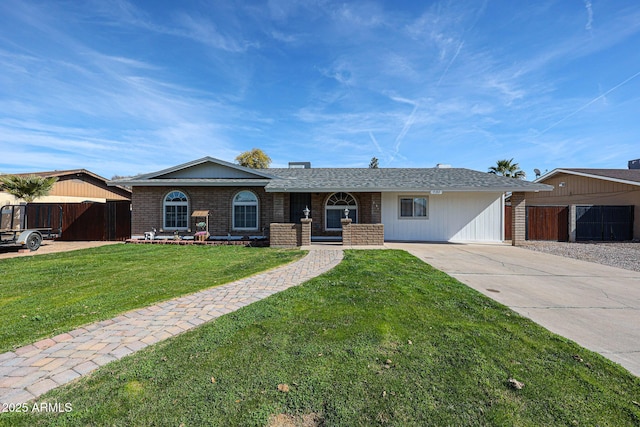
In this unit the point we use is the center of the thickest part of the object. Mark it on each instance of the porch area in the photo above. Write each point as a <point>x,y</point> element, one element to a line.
<point>296,235</point>
<point>349,219</point>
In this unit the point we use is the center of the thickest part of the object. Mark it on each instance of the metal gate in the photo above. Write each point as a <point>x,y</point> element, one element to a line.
<point>297,203</point>
<point>604,223</point>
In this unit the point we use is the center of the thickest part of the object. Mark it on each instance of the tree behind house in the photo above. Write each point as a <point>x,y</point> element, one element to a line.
<point>373,164</point>
<point>507,168</point>
<point>27,188</point>
<point>255,159</point>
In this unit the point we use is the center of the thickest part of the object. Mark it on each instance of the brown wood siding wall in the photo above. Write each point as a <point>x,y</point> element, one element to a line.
<point>83,187</point>
<point>583,189</point>
<point>579,190</point>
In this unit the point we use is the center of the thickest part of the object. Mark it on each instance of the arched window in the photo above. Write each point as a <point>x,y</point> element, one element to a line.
<point>245,211</point>
<point>336,204</point>
<point>176,208</point>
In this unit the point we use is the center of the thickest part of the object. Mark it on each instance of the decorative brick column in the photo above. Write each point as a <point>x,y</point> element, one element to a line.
<point>518,219</point>
<point>305,239</point>
<point>572,223</point>
<point>278,207</point>
<point>346,231</point>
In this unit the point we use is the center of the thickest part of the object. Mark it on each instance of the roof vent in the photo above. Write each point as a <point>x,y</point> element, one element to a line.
<point>443,166</point>
<point>634,164</point>
<point>299,165</point>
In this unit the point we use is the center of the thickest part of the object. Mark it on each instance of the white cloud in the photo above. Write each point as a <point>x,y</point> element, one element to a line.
<point>589,25</point>
<point>204,31</point>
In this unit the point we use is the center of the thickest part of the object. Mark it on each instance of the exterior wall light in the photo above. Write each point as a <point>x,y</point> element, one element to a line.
<point>346,212</point>
<point>306,212</point>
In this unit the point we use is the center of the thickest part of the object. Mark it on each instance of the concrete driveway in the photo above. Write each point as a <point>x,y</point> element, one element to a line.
<point>594,305</point>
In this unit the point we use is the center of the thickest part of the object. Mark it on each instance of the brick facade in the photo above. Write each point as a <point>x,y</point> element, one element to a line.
<point>369,211</point>
<point>273,208</point>
<point>147,208</point>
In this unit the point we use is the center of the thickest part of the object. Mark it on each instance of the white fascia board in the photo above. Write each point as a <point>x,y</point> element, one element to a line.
<point>587,175</point>
<point>204,160</point>
<point>192,183</point>
<point>405,189</point>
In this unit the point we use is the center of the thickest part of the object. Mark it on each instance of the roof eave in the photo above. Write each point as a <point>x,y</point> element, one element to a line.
<point>152,175</point>
<point>586,175</point>
<point>188,183</point>
<point>541,187</point>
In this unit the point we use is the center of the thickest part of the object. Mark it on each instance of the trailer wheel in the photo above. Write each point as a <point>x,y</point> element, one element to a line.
<point>33,242</point>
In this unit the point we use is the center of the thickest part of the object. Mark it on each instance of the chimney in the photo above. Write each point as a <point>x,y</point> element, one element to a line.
<point>634,164</point>
<point>299,165</point>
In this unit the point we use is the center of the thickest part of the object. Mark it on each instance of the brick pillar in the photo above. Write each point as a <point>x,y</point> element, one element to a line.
<point>305,238</point>
<point>376,212</point>
<point>346,231</point>
<point>572,223</point>
<point>278,207</point>
<point>518,219</point>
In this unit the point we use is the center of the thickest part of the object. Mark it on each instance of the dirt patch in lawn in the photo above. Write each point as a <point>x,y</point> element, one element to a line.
<point>306,420</point>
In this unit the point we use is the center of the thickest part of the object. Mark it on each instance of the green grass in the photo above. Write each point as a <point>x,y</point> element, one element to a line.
<point>451,353</point>
<point>45,295</point>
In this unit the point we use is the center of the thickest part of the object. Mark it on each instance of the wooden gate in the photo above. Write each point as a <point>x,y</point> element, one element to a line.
<point>548,223</point>
<point>507,222</point>
<point>608,223</point>
<point>86,221</point>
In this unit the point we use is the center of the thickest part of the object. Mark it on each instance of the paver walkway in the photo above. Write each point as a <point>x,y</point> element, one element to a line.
<point>32,370</point>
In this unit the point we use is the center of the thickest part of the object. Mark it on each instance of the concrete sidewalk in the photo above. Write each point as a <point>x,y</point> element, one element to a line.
<point>30,371</point>
<point>594,305</point>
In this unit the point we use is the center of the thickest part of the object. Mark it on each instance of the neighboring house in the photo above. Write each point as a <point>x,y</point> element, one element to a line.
<point>74,186</point>
<point>82,205</point>
<point>589,204</point>
<point>428,204</point>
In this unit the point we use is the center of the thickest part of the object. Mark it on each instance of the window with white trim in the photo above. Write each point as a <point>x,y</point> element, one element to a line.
<point>334,210</point>
<point>414,207</point>
<point>175,211</point>
<point>245,211</point>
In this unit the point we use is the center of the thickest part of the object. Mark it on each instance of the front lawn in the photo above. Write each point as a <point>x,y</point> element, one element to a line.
<point>382,339</point>
<point>44,295</point>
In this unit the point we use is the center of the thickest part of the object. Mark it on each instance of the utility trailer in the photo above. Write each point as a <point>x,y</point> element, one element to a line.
<point>17,230</point>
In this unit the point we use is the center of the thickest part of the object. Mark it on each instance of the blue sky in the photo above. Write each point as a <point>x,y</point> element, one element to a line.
<point>124,87</point>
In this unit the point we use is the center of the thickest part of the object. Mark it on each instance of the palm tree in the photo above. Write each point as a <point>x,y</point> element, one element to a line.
<point>507,168</point>
<point>28,188</point>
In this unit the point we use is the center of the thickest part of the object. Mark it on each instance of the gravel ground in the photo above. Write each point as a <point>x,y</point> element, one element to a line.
<point>615,254</point>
